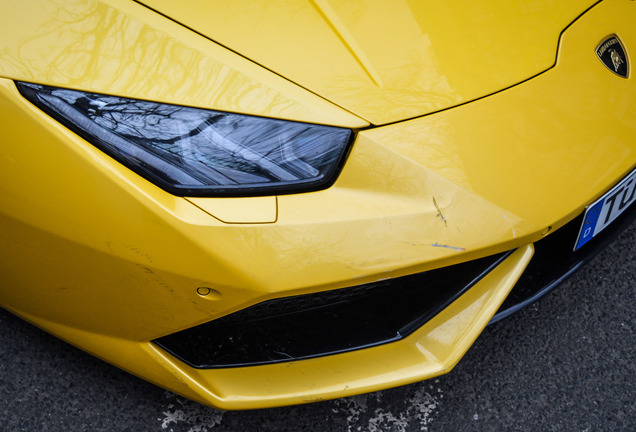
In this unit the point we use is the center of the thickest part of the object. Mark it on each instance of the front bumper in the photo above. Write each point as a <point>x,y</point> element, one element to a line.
<point>105,260</point>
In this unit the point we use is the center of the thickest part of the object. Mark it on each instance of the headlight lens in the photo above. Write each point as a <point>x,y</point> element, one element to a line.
<point>197,152</point>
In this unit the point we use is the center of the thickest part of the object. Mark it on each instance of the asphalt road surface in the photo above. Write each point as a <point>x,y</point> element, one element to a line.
<point>566,363</point>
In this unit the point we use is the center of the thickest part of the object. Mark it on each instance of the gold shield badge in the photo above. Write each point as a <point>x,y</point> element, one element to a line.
<point>611,52</point>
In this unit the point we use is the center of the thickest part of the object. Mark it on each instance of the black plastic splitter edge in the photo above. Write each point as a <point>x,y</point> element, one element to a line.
<point>325,323</point>
<point>302,186</point>
<point>554,261</point>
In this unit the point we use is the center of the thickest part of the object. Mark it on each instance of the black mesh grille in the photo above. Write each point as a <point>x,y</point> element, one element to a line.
<point>318,324</point>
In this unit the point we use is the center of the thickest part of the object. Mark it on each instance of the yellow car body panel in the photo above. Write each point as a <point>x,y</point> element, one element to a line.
<point>104,259</point>
<point>122,48</point>
<point>386,61</point>
<point>432,350</point>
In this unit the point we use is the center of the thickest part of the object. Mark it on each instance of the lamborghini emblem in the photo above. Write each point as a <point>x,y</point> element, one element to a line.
<point>612,54</point>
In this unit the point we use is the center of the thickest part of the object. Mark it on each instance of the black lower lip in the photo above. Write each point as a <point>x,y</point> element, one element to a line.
<point>554,261</point>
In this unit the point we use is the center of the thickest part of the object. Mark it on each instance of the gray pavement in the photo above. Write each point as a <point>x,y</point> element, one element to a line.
<point>564,364</point>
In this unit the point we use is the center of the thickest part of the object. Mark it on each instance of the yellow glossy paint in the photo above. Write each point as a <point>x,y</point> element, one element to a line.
<point>388,60</point>
<point>100,257</point>
<point>123,49</point>
<point>432,350</point>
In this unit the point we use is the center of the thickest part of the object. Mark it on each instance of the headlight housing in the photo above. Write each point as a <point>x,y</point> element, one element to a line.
<point>197,152</point>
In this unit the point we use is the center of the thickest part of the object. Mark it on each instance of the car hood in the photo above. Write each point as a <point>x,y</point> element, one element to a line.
<point>388,61</point>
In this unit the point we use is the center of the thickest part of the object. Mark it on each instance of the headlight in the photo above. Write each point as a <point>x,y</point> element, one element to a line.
<point>197,152</point>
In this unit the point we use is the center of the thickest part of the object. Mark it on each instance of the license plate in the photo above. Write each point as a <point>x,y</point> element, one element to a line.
<point>603,211</point>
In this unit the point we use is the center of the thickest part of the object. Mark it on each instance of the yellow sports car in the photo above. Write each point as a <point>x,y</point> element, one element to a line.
<point>264,203</point>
